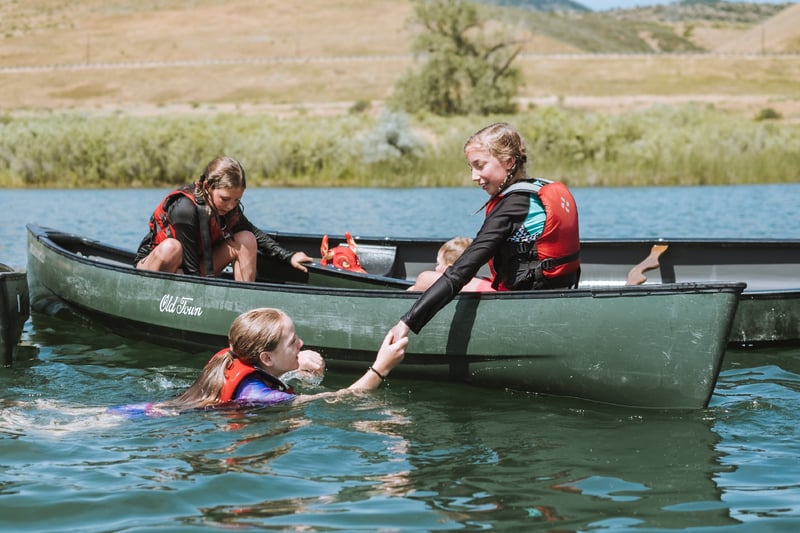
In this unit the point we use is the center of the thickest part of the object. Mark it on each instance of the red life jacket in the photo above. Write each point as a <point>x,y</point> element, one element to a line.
<point>162,229</point>
<point>556,252</point>
<point>237,371</point>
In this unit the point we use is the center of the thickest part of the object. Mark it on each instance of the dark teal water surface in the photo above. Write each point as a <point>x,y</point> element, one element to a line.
<point>414,455</point>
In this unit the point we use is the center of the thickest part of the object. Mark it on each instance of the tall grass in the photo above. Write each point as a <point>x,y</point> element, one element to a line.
<point>688,145</point>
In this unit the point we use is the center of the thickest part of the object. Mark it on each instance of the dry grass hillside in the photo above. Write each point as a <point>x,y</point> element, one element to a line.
<point>318,56</point>
<point>717,25</point>
<point>39,32</point>
<point>779,34</point>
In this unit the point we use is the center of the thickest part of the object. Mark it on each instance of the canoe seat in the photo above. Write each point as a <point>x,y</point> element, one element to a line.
<point>326,276</point>
<point>377,259</point>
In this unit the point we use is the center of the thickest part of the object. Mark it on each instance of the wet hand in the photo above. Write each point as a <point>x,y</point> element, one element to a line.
<point>399,331</point>
<point>391,354</point>
<point>311,362</point>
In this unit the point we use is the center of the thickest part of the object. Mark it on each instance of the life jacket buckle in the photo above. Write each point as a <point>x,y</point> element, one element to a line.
<point>526,249</point>
<point>548,264</point>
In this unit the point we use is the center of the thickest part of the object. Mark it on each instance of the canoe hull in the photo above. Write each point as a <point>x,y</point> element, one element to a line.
<point>14,310</point>
<point>658,347</point>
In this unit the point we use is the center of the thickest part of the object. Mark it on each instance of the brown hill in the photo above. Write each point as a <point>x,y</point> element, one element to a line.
<point>316,56</point>
<point>778,34</point>
<point>39,32</point>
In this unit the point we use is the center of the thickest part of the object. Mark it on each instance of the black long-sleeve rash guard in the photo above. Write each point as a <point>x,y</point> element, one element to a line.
<point>184,218</point>
<point>502,222</point>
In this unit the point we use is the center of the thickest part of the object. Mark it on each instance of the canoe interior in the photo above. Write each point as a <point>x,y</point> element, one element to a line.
<point>394,263</point>
<point>764,265</point>
<point>268,271</point>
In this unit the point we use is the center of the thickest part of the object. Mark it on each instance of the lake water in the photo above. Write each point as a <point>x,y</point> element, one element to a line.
<point>414,455</point>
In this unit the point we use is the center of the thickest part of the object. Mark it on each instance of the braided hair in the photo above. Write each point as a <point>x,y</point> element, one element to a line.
<point>505,143</point>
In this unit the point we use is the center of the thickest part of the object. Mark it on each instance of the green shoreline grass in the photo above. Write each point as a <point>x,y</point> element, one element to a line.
<point>663,145</point>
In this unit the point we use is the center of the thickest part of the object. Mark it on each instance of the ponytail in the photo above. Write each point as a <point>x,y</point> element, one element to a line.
<point>205,391</point>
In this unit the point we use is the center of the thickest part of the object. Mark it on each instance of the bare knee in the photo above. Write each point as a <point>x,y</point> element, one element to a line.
<point>245,250</point>
<point>246,240</point>
<point>166,257</point>
<point>243,246</point>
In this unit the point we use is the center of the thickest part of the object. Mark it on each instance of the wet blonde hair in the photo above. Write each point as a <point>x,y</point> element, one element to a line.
<point>253,332</point>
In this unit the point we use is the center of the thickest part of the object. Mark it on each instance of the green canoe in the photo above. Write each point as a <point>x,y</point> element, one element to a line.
<point>655,346</point>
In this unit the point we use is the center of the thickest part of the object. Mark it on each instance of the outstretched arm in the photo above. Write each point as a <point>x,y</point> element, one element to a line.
<point>389,356</point>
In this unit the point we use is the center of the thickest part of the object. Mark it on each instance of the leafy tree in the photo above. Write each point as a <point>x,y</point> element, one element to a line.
<point>466,69</point>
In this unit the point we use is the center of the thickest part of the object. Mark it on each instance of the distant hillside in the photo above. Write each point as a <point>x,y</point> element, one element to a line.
<point>601,33</point>
<point>540,5</point>
<point>713,26</point>
<point>688,26</point>
<point>155,56</point>
<point>780,34</point>
<point>685,10</point>
<point>710,11</point>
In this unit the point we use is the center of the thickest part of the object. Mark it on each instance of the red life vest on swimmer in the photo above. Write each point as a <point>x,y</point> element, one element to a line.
<point>162,229</point>
<point>237,371</point>
<point>556,251</point>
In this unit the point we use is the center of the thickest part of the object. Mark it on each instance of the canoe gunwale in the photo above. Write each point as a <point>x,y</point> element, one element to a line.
<point>393,241</point>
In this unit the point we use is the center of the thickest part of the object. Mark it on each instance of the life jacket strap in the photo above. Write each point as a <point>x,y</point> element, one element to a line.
<point>205,239</point>
<point>552,262</point>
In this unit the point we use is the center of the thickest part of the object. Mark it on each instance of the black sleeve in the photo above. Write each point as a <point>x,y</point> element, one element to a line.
<point>266,244</point>
<point>183,216</point>
<point>501,222</point>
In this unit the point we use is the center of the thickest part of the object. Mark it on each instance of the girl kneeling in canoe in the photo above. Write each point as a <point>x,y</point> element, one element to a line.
<point>200,228</point>
<point>263,347</point>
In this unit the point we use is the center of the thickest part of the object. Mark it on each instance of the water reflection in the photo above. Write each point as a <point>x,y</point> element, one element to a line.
<point>520,461</point>
<point>755,404</point>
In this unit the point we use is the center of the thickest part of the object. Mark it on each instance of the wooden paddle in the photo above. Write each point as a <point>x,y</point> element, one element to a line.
<point>636,275</point>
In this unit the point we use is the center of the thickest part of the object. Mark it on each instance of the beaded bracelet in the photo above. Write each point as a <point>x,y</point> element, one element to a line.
<point>383,378</point>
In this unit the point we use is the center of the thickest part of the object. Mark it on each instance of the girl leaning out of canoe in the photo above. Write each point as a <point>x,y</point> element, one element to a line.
<point>263,347</point>
<point>529,237</point>
<point>200,228</point>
